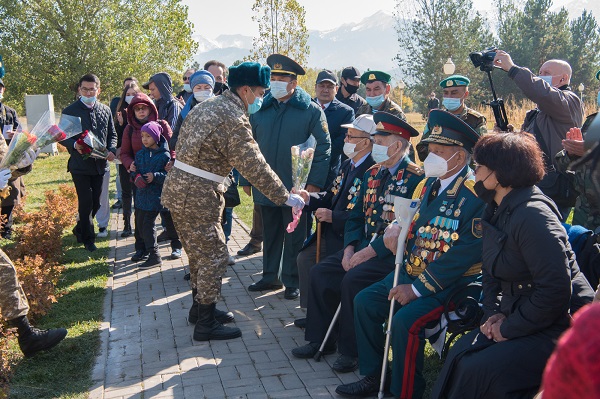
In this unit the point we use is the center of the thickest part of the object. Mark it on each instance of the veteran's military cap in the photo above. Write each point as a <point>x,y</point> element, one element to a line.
<point>386,124</point>
<point>598,75</point>
<point>455,80</point>
<point>448,129</point>
<point>372,76</point>
<point>282,65</point>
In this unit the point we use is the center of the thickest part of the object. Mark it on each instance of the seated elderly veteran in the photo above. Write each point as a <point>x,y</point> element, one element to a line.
<point>364,260</point>
<point>529,275</point>
<point>332,207</point>
<point>443,251</point>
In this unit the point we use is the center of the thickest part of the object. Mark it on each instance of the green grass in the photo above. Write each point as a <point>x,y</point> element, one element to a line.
<point>244,210</point>
<point>65,371</point>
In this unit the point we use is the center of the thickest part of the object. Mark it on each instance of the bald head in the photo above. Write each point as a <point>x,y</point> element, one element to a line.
<point>560,71</point>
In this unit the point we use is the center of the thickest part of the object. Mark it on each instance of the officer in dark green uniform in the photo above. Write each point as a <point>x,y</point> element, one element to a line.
<point>443,251</point>
<point>377,85</point>
<point>456,90</point>
<point>339,277</point>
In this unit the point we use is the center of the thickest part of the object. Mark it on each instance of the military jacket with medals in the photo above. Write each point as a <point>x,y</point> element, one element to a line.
<point>375,204</point>
<point>444,241</point>
<point>341,198</point>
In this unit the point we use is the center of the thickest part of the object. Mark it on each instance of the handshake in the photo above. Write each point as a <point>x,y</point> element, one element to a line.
<point>295,201</point>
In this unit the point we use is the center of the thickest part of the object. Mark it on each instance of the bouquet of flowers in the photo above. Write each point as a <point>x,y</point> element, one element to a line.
<point>302,156</point>
<point>20,143</point>
<point>92,146</point>
<point>48,132</point>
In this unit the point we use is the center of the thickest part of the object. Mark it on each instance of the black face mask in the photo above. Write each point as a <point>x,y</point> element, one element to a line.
<point>350,88</point>
<point>485,194</point>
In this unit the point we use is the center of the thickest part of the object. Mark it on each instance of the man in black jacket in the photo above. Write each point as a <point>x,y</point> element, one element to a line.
<point>88,173</point>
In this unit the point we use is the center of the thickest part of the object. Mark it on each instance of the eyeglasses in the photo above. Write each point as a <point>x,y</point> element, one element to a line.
<point>136,109</point>
<point>476,166</point>
<point>186,78</point>
<point>88,90</point>
<point>357,137</point>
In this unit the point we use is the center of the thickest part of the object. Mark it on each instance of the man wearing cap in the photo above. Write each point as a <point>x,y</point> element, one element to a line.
<point>215,137</point>
<point>456,90</point>
<point>377,85</point>
<point>364,259</point>
<point>161,90</point>
<point>332,207</point>
<point>350,82</point>
<point>288,117</point>
<point>443,251</point>
<point>337,114</point>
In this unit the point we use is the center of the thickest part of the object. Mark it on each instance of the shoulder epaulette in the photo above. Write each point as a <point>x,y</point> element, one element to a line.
<point>415,169</point>
<point>419,190</point>
<point>470,184</point>
<point>378,166</point>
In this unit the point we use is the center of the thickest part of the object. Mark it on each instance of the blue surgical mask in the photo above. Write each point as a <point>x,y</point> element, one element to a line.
<point>128,99</point>
<point>279,89</point>
<point>255,106</point>
<point>547,79</point>
<point>451,104</point>
<point>187,87</point>
<point>203,95</point>
<point>379,153</point>
<point>376,101</point>
<point>88,100</point>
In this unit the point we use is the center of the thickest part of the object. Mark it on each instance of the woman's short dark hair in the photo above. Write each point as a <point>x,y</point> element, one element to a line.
<point>515,157</point>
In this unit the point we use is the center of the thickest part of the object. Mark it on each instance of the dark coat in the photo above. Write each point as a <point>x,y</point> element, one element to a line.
<point>357,103</point>
<point>151,160</point>
<point>99,121</point>
<point>168,107</point>
<point>528,260</point>
<point>337,114</point>
<point>8,116</point>
<point>340,197</point>
<point>180,118</point>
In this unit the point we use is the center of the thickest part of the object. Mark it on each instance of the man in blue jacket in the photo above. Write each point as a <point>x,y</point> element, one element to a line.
<point>288,117</point>
<point>337,114</point>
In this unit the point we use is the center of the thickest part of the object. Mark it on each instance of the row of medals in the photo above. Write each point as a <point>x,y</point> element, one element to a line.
<point>387,200</point>
<point>352,191</point>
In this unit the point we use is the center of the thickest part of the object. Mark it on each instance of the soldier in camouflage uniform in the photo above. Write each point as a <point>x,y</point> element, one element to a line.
<point>13,302</point>
<point>456,90</point>
<point>215,137</point>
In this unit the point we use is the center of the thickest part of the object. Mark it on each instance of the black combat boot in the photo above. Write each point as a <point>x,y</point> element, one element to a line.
<point>32,340</point>
<point>153,260</point>
<point>208,328</point>
<point>127,232</point>
<point>220,315</point>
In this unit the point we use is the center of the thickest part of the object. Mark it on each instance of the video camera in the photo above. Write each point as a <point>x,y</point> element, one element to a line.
<point>484,60</point>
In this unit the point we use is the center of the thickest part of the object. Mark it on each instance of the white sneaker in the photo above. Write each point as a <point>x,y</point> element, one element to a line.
<point>103,232</point>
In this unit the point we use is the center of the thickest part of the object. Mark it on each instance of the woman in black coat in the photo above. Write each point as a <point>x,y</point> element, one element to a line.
<point>529,271</point>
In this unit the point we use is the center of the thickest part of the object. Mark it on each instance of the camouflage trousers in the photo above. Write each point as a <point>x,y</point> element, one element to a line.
<point>13,302</point>
<point>204,243</point>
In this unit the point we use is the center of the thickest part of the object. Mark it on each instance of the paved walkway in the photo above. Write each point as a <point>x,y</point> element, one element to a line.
<point>147,347</point>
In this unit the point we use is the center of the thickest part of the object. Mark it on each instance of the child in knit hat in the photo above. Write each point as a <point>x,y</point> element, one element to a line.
<point>149,177</point>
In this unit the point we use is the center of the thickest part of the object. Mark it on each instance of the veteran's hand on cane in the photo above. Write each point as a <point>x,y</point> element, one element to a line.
<point>362,256</point>
<point>5,175</point>
<point>295,201</point>
<point>28,158</point>
<point>403,293</point>
<point>348,254</point>
<point>324,215</point>
<point>503,60</point>
<point>390,237</point>
<point>486,328</point>
<point>573,144</point>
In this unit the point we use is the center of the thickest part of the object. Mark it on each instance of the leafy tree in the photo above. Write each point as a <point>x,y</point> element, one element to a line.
<point>49,44</point>
<point>432,32</point>
<point>584,57</point>
<point>281,30</point>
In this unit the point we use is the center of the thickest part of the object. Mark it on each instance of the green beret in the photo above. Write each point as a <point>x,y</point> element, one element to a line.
<point>249,74</point>
<point>372,76</point>
<point>448,129</point>
<point>598,75</point>
<point>454,80</point>
<point>283,65</point>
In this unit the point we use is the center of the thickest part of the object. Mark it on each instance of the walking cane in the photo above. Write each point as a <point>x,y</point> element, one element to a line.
<point>318,256</point>
<point>378,230</point>
<point>405,210</point>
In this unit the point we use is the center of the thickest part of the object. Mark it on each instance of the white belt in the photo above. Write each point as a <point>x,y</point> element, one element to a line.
<point>199,172</point>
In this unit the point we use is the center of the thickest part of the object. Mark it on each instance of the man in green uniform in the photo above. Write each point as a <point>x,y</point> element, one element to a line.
<point>215,137</point>
<point>456,90</point>
<point>377,85</point>
<point>443,251</point>
<point>363,261</point>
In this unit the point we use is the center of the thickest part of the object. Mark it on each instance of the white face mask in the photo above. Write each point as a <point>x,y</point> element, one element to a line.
<point>187,87</point>
<point>279,89</point>
<point>436,166</point>
<point>349,150</point>
<point>202,95</point>
<point>128,99</point>
<point>380,153</point>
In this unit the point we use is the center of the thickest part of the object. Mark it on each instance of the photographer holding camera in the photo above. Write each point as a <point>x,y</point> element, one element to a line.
<point>558,110</point>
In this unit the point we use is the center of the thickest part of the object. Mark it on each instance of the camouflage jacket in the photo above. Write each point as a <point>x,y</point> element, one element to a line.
<point>216,136</point>
<point>390,107</point>
<point>587,206</point>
